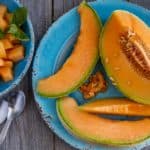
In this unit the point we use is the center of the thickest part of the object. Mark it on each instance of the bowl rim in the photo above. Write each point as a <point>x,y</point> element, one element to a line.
<point>31,53</point>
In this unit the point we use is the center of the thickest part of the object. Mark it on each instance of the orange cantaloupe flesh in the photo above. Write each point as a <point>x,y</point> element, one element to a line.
<point>8,17</point>
<point>2,50</point>
<point>16,53</point>
<point>1,62</point>
<point>6,73</point>
<point>8,63</point>
<point>93,128</point>
<point>3,22</point>
<point>116,106</point>
<point>83,59</point>
<point>117,66</point>
<point>3,10</point>
<point>7,43</point>
<point>12,38</point>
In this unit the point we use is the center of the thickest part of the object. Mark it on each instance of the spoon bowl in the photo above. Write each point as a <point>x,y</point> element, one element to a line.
<point>13,112</point>
<point>3,111</point>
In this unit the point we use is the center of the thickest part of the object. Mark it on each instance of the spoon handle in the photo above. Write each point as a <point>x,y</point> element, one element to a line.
<point>5,130</point>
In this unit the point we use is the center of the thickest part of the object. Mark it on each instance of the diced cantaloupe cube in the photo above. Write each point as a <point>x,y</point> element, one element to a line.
<point>3,24</point>
<point>1,62</point>
<point>8,17</point>
<point>13,39</point>
<point>6,73</point>
<point>16,54</point>
<point>8,63</point>
<point>7,43</point>
<point>3,10</point>
<point>2,51</point>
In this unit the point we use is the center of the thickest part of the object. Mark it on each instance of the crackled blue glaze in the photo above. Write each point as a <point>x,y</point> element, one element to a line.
<point>20,68</point>
<point>54,49</point>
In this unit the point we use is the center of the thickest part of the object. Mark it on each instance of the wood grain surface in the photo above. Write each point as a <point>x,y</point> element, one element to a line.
<point>29,132</point>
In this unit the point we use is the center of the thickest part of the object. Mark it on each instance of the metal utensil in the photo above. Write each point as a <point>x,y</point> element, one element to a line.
<point>13,112</point>
<point>3,111</point>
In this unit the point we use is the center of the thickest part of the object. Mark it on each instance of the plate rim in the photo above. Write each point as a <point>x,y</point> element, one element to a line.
<point>42,114</point>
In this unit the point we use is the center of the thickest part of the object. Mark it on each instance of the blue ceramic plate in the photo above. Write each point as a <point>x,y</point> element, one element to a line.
<point>20,68</point>
<point>51,54</point>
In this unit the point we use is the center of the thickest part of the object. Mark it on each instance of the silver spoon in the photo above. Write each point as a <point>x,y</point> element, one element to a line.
<point>13,112</point>
<point>3,111</point>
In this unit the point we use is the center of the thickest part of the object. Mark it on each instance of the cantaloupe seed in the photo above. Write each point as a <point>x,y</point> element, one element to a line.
<point>136,52</point>
<point>128,52</point>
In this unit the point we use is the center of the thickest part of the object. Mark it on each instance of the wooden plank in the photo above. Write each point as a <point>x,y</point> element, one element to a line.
<point>68,4</point>
<point>77,2</point>
<point>58,9</point>
<point>61,145</point>
<point>144,3</point>
<point>41,14</point>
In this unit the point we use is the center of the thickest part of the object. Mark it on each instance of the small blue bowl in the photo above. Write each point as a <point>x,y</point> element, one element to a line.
<point>21,67</point>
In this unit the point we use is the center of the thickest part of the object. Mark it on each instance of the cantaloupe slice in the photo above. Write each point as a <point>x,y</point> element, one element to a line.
<point>125,54</point>
<point>83,59</point>
<point>116,106</point>
<point>93,128</point>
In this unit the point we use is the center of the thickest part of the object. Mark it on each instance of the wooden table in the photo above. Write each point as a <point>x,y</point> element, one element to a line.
<point>29,132</point>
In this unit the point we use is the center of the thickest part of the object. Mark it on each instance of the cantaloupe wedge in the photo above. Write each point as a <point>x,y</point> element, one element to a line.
<point>116,106</point>
<point>93,128</point>
<point>124,50</point>
<point>81,62</point>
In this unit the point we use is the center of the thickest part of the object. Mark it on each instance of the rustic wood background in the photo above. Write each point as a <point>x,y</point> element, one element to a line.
<point>29,132</point>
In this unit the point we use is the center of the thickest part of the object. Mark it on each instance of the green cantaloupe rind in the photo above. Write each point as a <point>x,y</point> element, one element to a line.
<point>72,89</point>
<point>84,136</point>
<point>86,75</point>
<point>108,70</point>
